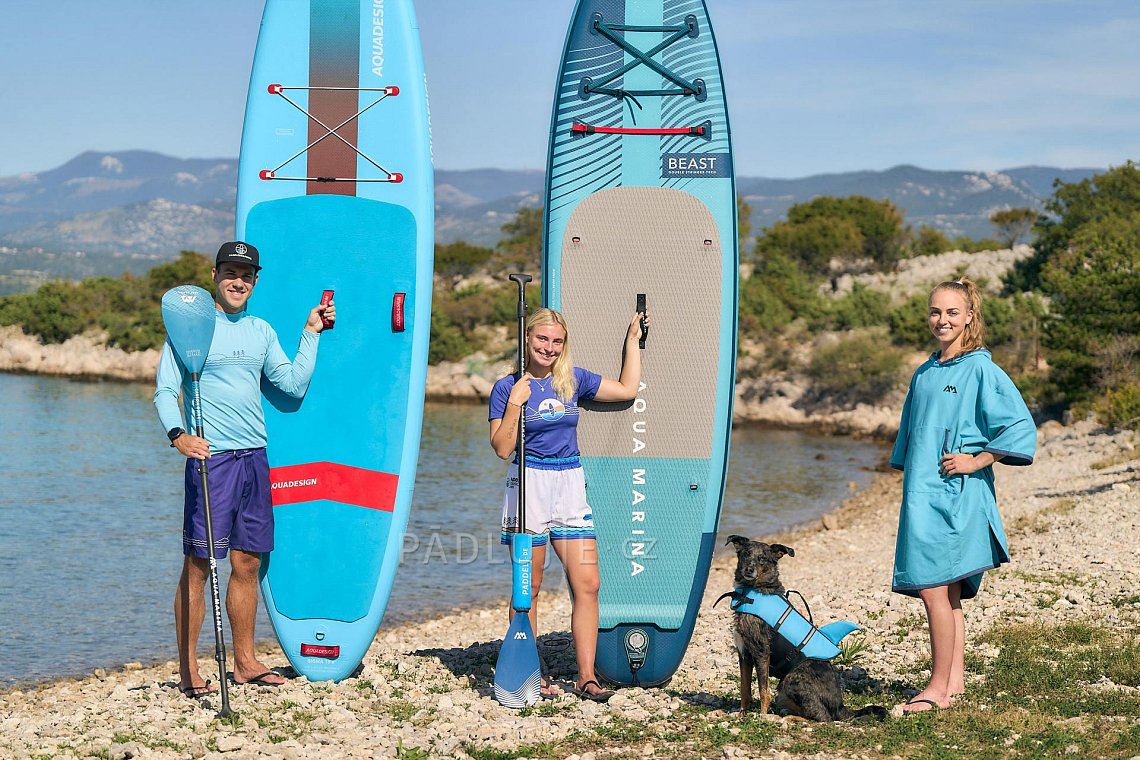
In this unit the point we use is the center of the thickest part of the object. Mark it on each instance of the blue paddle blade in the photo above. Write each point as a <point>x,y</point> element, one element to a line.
<point>188,313</point>
<point>518,673</point>
<point>522,546</point>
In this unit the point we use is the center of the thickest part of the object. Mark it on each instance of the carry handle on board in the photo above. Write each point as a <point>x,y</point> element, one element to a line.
<point>644,328</point>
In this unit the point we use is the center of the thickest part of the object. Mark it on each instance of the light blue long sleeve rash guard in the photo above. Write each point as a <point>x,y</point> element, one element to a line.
<point>244,349</point>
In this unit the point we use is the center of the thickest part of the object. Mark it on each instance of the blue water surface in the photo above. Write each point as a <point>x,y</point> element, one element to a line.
<point>91,519</point>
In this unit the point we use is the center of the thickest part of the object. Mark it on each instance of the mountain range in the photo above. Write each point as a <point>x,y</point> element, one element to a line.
<point>106,213</point>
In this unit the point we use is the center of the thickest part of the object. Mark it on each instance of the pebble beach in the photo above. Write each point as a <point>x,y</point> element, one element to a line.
<point>424,689</point>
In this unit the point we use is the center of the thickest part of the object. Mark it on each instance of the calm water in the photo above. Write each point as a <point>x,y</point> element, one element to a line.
<point>91,519</point>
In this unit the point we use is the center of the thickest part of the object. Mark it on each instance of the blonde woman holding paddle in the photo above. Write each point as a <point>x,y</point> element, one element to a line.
<point>556,507</point>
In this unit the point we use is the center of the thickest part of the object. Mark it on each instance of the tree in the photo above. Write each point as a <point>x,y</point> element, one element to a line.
<point>930,242</point>
<point>813,242</point>
<point>743,221</point>
<point>1095,288</point>
<point>457,260</point>
<point>880,224</point>
<point>1013,223</point>
<point>523,247</point>
<point>1116,193</point>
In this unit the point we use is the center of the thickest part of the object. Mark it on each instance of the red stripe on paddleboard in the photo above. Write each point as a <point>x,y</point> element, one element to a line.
<point>333,482</point>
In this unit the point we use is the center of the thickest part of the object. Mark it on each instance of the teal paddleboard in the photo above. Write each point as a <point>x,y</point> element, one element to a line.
<point>335,190</point>
<point>641,204</point>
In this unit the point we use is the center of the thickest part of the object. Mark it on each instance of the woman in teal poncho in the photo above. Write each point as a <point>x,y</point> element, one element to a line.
<point>962,413</point>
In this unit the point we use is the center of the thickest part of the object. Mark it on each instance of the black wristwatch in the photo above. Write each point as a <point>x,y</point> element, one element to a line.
<point>173,433</point>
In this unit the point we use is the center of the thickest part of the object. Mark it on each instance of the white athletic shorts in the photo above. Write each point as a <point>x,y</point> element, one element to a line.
<point>555,501</point>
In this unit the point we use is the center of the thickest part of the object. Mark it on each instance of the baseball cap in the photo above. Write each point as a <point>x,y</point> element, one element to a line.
<point>238,252</point>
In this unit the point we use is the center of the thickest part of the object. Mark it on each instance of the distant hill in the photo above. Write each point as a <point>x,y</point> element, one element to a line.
<point>106,213</point>
<point>957,203</point>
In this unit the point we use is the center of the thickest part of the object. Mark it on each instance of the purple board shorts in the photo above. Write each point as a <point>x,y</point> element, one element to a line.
<point>239,504</point>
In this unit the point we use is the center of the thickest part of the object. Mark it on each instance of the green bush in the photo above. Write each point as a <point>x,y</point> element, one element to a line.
<point>55,312</point>
<point>813,242</point>
<point>930,242</point>
<point>777,293</point>
<point>908,323</point>
<point>127,308</point>
<point>970,245</point>
<point>880,224</point>
<point>1119,408</point>
<point>446,342</point>
<point>1014,325</point>
<point>862,307</point>
<point>1095,289</point>
<point>863,366</point>
<point>455,261</point>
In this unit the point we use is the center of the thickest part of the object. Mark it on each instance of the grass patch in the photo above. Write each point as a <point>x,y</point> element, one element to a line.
<point>400,709</point>
<point>851,650</point>
<point>1119,457</point>
<point>907,625</point>
<point>487,753</point>
<point>1126,601</point>
<point>145,740</point>
<point>410,753</point>
<point>1044,695</point>
<point>1042,520</point>
<point>1052,584</point>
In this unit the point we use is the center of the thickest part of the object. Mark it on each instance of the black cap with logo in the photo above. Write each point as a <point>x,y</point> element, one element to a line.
<point>238,252</point>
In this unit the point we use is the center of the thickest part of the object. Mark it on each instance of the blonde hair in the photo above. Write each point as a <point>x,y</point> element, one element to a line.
<point>974,334</point>
<point>563,369</point>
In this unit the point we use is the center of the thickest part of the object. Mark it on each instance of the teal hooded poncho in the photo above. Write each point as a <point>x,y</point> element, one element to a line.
<point>949,527</point>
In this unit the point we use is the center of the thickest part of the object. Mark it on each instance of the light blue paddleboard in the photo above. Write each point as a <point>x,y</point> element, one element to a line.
<point>335,190</point>
<point>641,199</point>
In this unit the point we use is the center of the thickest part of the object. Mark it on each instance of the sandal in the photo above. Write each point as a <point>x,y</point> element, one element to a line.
<point>602,695</point>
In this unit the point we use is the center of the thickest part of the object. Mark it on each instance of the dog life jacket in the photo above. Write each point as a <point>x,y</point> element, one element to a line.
<point>786,620</point>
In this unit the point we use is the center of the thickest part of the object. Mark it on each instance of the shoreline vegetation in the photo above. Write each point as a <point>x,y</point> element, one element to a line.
<point>1053,659</point>
<point>775,385</point>
<point>831,309</point>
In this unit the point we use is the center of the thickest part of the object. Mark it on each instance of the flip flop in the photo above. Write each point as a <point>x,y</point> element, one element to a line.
<point>934,706</point>
<point>549,693</point>
<point>259,680</point>
<point>602,696</point>
<point>197,692</point>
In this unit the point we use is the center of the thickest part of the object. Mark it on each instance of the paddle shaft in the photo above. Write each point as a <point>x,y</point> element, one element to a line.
<point>215,595</point>
<point>522,280</point>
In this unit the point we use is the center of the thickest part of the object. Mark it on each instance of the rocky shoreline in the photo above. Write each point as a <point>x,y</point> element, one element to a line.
<point>776,400</point>
<point>425,688</point>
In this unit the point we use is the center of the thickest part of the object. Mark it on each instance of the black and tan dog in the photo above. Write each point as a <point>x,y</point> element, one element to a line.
<point>808,688</point>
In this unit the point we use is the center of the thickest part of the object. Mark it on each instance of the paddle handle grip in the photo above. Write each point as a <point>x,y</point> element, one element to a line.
<point>326,297</point>
<point>644,329</point>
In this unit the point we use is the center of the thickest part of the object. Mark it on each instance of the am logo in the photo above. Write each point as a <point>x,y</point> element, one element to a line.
<point>950,389</point>
<point>520,635</point>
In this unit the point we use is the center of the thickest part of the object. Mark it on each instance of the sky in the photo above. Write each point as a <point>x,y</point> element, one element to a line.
<point>814,86</point>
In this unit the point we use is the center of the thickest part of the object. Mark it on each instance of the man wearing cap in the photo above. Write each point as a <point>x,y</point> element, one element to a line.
<point>244,350</point>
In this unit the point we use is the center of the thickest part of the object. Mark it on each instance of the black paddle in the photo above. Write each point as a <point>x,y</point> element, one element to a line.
<point>518,672</point>
<point>189,313</point>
